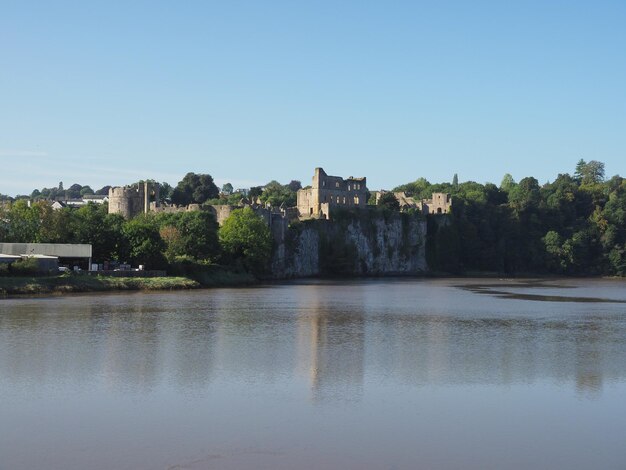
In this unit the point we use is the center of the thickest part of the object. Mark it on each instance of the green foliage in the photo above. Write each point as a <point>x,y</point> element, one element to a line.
<point>389,201</point>
<point>277,194</point>
<point>194,189</point>
<point>145,243</point>
<point>24,267</point>
<point>589,173</point>
<point>574,225</point>
<point>419,189</point>
<point>246,240</point>
<point>165,192</point>
<point>192,234</point>
<point>294,186</point>
<point>255,191</point>
<point>508,183</point>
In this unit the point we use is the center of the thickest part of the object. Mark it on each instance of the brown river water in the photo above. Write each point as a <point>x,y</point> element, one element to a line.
<point>368,374</point>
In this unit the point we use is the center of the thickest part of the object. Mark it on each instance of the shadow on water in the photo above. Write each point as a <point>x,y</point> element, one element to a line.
<point>492,290</point>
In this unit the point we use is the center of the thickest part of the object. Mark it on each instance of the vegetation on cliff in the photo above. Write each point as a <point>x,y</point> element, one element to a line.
<point>575,225</point>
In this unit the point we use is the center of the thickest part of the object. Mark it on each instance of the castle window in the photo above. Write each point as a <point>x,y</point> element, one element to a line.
<point>344,199</point>
<point>337,184</point>
<point>356,200</point>
<point>348,187</point>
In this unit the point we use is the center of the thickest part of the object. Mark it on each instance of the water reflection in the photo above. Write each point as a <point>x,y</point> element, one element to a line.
<point>335,337</point>
<point>331,347</point>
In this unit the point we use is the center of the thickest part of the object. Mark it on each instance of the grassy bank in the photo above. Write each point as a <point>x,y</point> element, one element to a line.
<point>68,283</point>
<point>73,283</point>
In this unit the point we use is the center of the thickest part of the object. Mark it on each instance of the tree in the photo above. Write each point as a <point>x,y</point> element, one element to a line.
<point>255,192</point>
<point>589,173</point>
<point>455,181</point>
<point>420,189</point>
<point>104,190</point>
<point>74,190</point>
<point>246,239</point>
<point>86,190</point>
<point>173,241</point>
<point>525,195</point>
<point>227,189</point>
<point>277,194</point>
<point>92,224</point>
<point>508,183</point>
<point>165,192</point>
<point>294,185</point>
<point>194,189</point>
<point>192,234</point>
<point>389,201</point>
<point>145,242</point>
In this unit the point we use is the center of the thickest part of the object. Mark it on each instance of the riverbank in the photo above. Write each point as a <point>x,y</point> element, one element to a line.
<point>82,283</point>
<point>72,283</point>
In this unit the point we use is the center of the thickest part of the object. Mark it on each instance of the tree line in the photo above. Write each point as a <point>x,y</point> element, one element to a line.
<point>575,225</point>
<point>156,240</point>
<point>194,188</point>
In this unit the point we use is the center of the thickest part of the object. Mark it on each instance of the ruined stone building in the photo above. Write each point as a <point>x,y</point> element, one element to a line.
<point>439,203</point>
<point>327,192</point>
<point>131,201</point>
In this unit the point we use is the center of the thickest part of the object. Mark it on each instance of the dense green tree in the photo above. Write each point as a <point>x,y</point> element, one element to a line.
<point>420,189</point>
<point>588,173</point>
<point>227,189</point>
<point>277,194</point>
<point>525,195</point>
<point>86,190</point>
<point>192,234</point>
<point>146,246</point>
<point>255,192</point>
<point>165,192</point>
<point>389,201</point>
<point>73,192</point>
<point>294,185</point>
<point>246,240</point>
<point>104,190</point>
<point>194,189</point>
<point>508,183</point>
<point>94,225</point>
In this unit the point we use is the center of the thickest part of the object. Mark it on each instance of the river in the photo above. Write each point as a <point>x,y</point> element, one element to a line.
<point>367,374</point>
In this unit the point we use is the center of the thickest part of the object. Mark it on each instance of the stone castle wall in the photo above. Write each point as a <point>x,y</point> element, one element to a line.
<point>333,191</point>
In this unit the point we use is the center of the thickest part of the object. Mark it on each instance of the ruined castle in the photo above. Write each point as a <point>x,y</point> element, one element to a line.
<point>439,203</point>
<point>313,202</point>
<point>327,192</point>
<point>130,201</point>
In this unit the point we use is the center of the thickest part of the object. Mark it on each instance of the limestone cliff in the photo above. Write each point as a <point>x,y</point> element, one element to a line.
<point>366,242</point>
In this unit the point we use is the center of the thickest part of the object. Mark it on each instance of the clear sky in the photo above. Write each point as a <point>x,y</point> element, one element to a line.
<point>111,92</point>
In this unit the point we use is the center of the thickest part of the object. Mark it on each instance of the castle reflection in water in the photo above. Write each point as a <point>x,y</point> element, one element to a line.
<point>332,339</point>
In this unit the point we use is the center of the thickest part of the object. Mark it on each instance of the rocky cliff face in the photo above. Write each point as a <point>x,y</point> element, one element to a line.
<point>353,243</point>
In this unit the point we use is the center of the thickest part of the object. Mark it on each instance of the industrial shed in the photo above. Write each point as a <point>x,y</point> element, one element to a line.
<point>67,254</point>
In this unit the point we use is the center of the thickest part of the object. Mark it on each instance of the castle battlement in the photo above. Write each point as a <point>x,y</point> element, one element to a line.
<point>130,201</point>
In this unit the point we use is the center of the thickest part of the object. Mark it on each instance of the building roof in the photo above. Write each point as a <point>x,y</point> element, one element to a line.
<point>49,249</point>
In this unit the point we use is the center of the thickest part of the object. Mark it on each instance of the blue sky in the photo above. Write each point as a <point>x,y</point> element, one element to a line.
<point>112,92</point>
